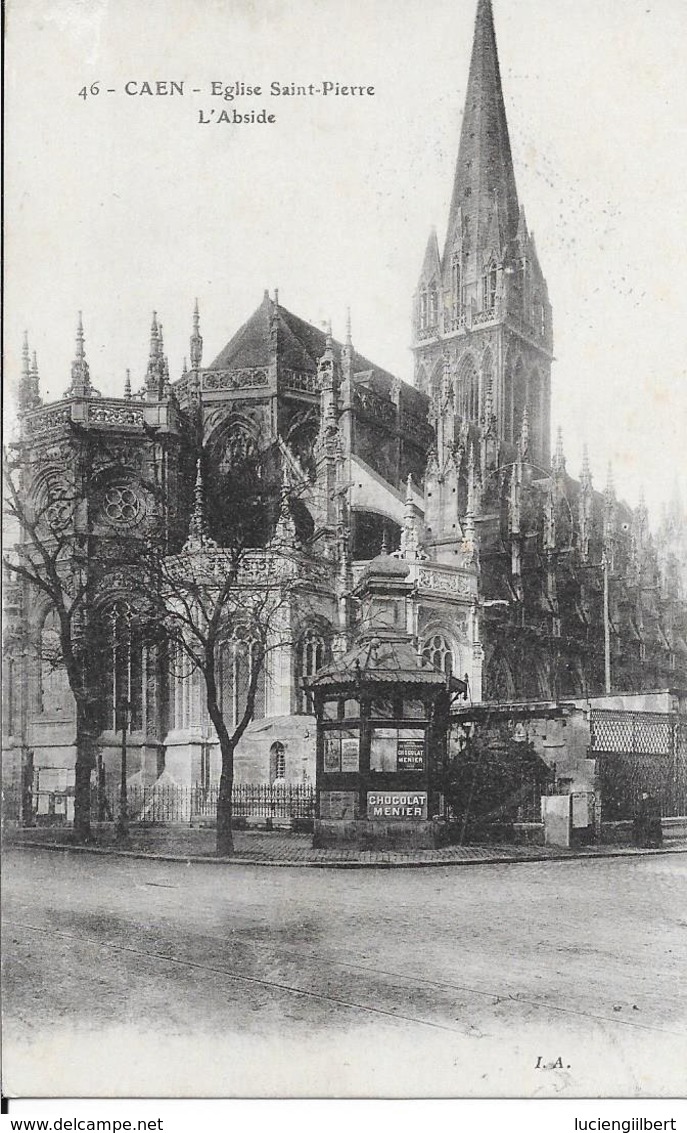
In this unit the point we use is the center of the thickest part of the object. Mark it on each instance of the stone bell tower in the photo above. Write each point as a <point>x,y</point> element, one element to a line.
<point>482,306</point>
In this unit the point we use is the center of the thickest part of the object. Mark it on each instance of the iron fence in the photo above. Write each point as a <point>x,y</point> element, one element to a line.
<point>168,805</point>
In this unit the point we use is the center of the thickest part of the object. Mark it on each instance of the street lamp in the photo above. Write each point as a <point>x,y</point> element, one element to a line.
<point>122,829</point>
<point>607,625</point>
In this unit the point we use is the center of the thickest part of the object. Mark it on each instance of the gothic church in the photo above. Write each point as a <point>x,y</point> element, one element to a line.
<point>446,491</point>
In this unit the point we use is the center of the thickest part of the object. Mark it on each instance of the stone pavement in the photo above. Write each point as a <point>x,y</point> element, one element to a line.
<point>282,848</point>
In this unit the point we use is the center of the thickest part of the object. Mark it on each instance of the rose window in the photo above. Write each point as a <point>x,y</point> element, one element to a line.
<point>123,505</point>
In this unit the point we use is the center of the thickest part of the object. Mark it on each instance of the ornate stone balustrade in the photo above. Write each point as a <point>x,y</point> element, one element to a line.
<point>301,381</point>
<point>116,413</point>
<point>445,581</point>
<point>259,569</point>
<point>46,420</point>
<point>454,322</point>
<point>428,332</point>
<point>481,318</point>
<point>256,376</point>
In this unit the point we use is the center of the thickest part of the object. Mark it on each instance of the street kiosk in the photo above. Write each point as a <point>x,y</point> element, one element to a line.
<point>382,721</point>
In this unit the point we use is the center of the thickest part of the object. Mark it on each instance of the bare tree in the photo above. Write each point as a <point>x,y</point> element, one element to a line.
<point>208,597</point>
<point>52,558</point>
<point>50,504</point>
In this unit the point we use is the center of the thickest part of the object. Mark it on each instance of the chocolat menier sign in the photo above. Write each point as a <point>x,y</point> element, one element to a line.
<point>396,804</point>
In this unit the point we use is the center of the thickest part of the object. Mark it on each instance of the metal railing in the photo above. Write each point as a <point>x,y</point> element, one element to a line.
<point>169,805</point>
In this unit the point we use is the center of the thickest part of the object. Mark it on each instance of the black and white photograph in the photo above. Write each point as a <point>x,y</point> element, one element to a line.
<point>344,670</point>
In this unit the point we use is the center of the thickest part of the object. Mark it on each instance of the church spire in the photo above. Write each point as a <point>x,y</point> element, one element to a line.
<point>154,339</point>
<point>488,273</point>
<point>34,383</point>
<point>586,473</point>
<point>558,462</point>
<point>484,185</point>
<point>329,408</point>
<point>196,353</point>
<point>199,538</point>
<point>29,392</point>
<point>410,538</point>
<point>155,372</point>
<point>81,378</point>
<point>25,359</point>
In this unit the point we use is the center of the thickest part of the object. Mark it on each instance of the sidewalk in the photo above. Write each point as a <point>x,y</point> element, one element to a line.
<point>258,847</point>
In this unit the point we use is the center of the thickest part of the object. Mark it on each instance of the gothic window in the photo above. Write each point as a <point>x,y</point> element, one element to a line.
<point>122,506</point>
<point>241,659</point>
<point>456,286</point>
<point>538,314</point>
<point>438,652</point>
<point>433,306</point>
<point>277,762</point>
<point>53,681</point>
<point>312,652</point>
<point>237,445</point>
<point>468,389</point>
<point>125,670</point>
<point>489,281</point>
<point>424,309</point>
<point>506,399</point>
<point>186,692</point>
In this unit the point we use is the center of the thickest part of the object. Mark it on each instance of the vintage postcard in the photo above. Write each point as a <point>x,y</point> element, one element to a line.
<point>345,549</point>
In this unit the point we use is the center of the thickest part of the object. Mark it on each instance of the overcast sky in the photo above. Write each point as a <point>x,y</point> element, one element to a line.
<point>118,205</point>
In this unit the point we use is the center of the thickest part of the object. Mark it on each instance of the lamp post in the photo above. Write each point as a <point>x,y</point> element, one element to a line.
<point>122,829</point>
<point>607,626</point>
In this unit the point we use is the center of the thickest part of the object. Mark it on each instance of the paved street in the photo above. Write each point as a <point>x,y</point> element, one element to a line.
<point>162,978</point>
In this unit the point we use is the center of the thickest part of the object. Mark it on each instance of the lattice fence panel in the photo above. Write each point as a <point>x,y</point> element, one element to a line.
<point>631,733</point>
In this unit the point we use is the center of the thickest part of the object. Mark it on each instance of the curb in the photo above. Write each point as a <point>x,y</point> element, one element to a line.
<point>280,863</point>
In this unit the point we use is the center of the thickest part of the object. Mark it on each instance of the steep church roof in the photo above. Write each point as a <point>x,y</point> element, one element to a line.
<point>484,170</point>
<point>300,345</point>
<point>250,346</point>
